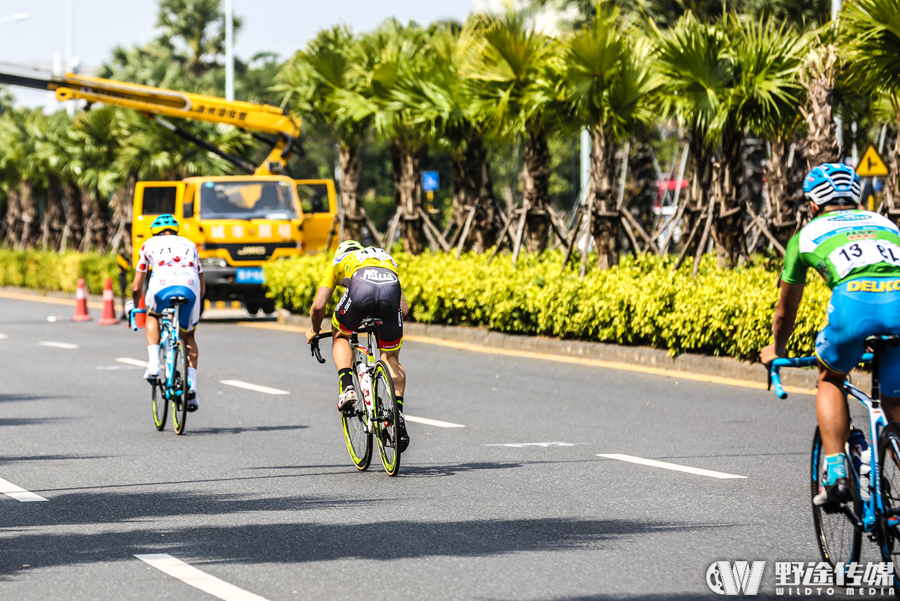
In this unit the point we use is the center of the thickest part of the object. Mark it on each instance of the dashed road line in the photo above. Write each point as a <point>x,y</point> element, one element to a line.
<point>130,361</point>
<point>670,466</point>
<point>518,445</point>
<point>3,336</point>
<point>253,387</point>
<point>431,422</point>
<point>201,580</point>
<point>66,345</point>
<point>644,369</point>
<point>18,493</point>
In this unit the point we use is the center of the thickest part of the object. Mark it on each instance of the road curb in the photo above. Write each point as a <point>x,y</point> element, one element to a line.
<point>724,367</point>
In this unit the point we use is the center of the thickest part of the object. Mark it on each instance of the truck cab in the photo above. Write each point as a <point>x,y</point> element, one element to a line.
<point>239,223</point>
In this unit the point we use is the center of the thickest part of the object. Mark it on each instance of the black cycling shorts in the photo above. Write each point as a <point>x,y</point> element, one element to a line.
<point>372,292</point>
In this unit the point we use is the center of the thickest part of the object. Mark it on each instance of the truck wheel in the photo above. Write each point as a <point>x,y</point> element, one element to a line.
<point>252,305</point>
<point>268,306</point>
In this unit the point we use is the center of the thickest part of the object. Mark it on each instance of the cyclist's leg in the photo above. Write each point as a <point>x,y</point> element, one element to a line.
<point>390,334</point>
<point>346,318</point>
<point>151,325</point>
<point>831,411</point>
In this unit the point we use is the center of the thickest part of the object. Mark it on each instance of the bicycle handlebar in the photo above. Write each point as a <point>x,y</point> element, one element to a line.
<point>314,346</point>
<point>777,364</point>
<point>131,320</point>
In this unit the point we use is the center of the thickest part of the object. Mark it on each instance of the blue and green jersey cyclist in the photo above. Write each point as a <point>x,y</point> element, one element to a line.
<point>857,253</point>
<point>372,285</point>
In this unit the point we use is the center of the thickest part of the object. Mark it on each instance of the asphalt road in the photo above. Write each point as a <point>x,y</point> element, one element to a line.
<point>260,492</point>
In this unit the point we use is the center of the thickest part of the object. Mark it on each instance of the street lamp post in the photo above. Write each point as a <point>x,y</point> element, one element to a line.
<point>229,50</point>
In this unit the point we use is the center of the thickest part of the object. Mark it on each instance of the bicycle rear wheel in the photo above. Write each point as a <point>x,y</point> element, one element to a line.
<point>839,539</point>
<point>387,418</point>
<point>359,442</point>
<point>889,468</point>
<point>179,386</point>
<point>160,404</point>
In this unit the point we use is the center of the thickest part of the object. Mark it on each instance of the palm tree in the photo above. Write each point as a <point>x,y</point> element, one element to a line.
<point>317,80</point>
<point>870,41</point>
<point>380,61</point>
<point>198,26</point>
<point>609,89</point>
<point>518,93</point>
<point>768,57</point>
<point>698,75</point>
<point>439,103</point>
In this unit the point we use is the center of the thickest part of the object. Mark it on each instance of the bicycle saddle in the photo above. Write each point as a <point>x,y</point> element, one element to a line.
<point>178,300</point>
<point>369,324</point>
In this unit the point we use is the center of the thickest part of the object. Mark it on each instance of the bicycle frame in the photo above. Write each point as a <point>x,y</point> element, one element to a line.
<point>364,360</point>
<point>168,334</point>
<point>873,507</point>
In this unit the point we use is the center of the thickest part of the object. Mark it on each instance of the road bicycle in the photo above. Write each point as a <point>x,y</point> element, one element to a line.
<point>376,413</point>
<point>874,507</point>
<point>171,386</point>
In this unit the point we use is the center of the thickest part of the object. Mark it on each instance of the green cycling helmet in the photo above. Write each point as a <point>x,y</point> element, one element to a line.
<point>163,223</point>
<point>347,246</point>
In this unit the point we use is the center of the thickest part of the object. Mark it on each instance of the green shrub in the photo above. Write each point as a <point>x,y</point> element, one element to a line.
<point>50,271</point>
<point>640,302</point>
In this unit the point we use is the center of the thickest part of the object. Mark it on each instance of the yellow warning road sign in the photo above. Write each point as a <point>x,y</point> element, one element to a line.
<point>871,164</point>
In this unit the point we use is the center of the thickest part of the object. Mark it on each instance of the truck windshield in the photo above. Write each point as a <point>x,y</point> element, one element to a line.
<point>247,200</point>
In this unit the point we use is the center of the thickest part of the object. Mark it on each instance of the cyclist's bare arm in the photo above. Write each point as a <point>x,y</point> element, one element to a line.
<point>783,321</point>
<point>404,307</point>
<point>202,287</point>
<point>317,312</point>
<point>137,287</point>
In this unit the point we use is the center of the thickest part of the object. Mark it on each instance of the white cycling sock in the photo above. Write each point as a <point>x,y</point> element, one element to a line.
<point>153,355</point>
<point>192,377</point>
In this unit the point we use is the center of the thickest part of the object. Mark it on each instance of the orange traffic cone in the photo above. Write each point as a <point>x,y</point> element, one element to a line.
<point>140,320</point>
<point>109,308</point>
<point>81,311</point>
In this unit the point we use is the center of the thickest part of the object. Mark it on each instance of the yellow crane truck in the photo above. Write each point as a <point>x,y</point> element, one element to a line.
<point>239,223</point>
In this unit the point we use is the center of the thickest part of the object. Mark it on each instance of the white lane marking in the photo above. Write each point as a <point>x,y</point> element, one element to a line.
<point>254,387</point>
<point>3,336</point>
<point>431,422</point>
<point>19,494</point>
<point>533,444</point>
<point>201,580</point>
<point>130,361</point>
<point>67,345</point>
<point>670,466</point>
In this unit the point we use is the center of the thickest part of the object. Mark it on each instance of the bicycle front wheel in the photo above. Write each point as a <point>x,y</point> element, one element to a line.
<point>179,388</point>
<point>356,433</point>
<point>387,418</point>
<point>889,468</point>
<point>839,539</point>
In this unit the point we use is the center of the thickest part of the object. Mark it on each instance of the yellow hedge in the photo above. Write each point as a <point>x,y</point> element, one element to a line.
<point>55,272</point>
<point>641,302</point>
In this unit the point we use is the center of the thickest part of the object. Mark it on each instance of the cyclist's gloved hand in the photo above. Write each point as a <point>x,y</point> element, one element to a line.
<point>129,307</point>
<point>310,334</point>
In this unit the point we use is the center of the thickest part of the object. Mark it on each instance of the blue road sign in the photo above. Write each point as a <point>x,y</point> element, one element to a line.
<point>430,181</point>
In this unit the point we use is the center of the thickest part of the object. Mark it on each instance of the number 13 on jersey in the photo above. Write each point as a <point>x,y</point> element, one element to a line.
<point>864,252</point>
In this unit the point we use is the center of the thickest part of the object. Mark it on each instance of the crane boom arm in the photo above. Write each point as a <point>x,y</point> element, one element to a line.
<point>263,118</point>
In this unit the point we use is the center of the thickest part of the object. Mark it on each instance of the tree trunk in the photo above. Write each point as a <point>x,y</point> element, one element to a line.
<point>123,207</point>
<point>697,196</point>
<point>408,182</point>
<point>96,217</point>
<point>351,173</point>
<point>602,199</point>
<point>892,184</point>
<point>74,216</point>
<point>30,216</point>
<point>784,192</point>
<point>472,183</point>
<point>818,79</point>
<point>51,228</point>
<point>728,223</point>
<point>536,190</point>
<point>12,225</point>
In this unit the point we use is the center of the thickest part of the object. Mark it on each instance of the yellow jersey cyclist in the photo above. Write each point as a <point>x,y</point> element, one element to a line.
<point>372,290</point>
<point>858,254</point>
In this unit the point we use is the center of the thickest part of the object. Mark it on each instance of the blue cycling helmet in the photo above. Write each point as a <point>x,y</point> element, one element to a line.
<point>163,223</point>
<point>832,182</point>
